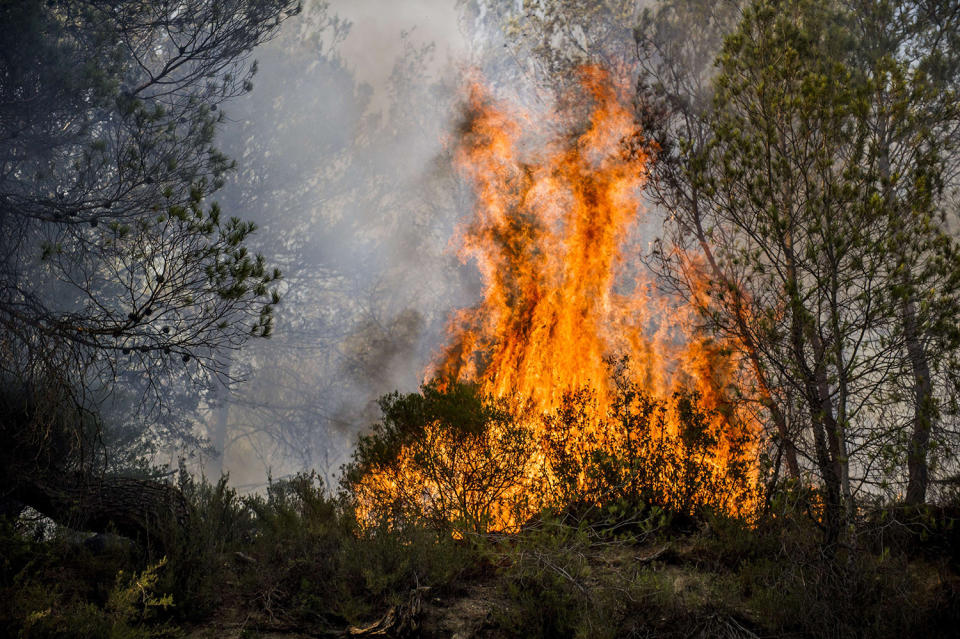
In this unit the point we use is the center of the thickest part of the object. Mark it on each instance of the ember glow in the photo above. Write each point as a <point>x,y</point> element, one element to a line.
<point>550,235</point>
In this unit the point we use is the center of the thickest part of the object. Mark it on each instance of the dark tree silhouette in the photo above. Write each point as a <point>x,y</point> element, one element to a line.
<point>113,261</point>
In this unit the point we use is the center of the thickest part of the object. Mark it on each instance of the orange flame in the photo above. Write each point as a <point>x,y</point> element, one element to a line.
<point>549,236</point>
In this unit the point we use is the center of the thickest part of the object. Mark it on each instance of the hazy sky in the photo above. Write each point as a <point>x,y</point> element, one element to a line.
<point>345,187</point>
<point>375,39</point>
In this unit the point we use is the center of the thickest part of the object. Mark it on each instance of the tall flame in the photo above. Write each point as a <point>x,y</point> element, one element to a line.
<point>547,236</point>
<point>550,237</point>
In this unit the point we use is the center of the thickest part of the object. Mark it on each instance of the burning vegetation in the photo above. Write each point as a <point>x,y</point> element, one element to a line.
<point>570,381</point>
<point>764,444</point>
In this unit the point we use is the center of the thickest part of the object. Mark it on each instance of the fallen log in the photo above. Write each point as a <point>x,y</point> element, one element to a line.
<point>138,508</point>
<point>48,444</point>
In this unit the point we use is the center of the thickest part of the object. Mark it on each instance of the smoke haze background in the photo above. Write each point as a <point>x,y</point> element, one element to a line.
<point>343,161</point>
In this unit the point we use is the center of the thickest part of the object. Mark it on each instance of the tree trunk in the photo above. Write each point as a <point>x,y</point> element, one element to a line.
<point>747,340</point>
<point>923,411</point>
<point>218,435</point>
<point>221,421</point>
<point>833,508</point>
<point>817,398</point>
<point>819,412</point>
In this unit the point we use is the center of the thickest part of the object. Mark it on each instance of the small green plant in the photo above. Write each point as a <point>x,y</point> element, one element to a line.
<point>218,520</point>
<point>132,611</point>
<point>135,600</point>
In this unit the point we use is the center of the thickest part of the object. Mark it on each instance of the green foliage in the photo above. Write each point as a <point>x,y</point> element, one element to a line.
<point>315,563</point>
<point>218,520</point>
<point>573,579</point>
<point>808,186</point>
<point>549,581</point>
<point>856,594</point>
<point>298,558</point>
<point>772,578</point>
<point>110,116</point>
<point>929,532</point>
<point>131,607</point>
<point>57,588</point>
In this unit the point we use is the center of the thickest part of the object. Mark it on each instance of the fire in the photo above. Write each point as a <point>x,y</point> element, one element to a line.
<point>550,235</point>
<point>546,237</point>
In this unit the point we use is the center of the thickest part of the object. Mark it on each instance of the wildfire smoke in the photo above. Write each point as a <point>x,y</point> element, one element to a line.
<point>549,236</point>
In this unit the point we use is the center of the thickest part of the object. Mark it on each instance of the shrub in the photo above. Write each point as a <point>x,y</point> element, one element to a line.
<point>671,453</point>
<point>447,455</point>
<point>130,611</point>
<point>316,565</point>
<point>218,520</point>
<point>569,578</point>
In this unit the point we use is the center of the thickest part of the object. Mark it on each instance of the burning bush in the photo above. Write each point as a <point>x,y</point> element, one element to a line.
<point>541,422</point>
<point>447,454</point>
<point>671,453</point>
<point>471,463</point>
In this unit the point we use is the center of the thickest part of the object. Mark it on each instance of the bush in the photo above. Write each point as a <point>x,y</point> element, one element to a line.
<point>795,585</point>
<point>462,461</point>
<point>130,611</point>
<point>447,455</point>
<point>571,579</point>
<point>51,584</point>
<point>316,565</point>
<point>673,454</point>
<point>218,521</point>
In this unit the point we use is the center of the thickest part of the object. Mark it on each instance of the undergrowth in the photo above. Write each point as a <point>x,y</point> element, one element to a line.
<point>298,558</point>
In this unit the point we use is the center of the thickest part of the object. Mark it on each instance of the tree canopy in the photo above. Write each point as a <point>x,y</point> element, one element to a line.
<point>114,261</point>
<point>113,255</point>
<point>808,200</point>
